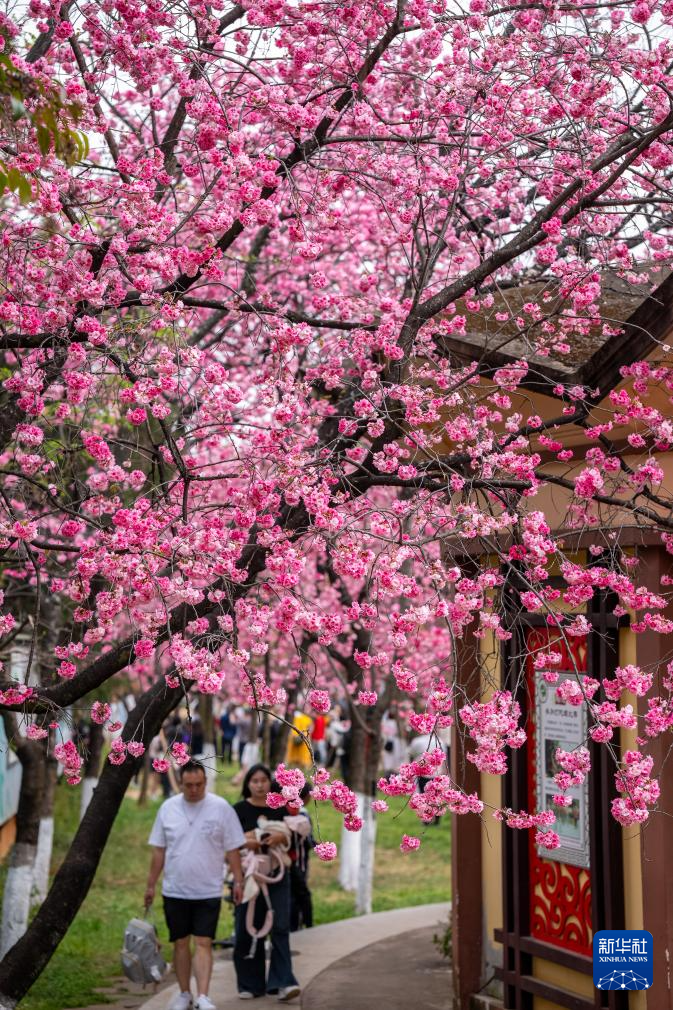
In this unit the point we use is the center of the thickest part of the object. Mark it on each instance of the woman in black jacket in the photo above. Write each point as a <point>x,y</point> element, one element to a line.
<point>249,960</point>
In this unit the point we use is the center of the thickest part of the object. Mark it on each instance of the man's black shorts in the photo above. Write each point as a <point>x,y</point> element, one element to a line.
<point>187,917</point>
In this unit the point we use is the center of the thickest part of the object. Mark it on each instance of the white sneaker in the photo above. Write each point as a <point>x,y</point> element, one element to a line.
<point>203,1003</point>
<point>183,1001</point>
<point>288,993</point>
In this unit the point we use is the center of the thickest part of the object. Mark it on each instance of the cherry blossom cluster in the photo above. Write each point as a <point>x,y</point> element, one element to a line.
<point>628,678</point>
<point>291,782</point>
<point>326,851</point>
<point>71,760</point>
<point>546,839</point>
<point>440,796</point>
<point>339,795</point>
<point>575,766</point>
<point>493,725</point>
<point>639,792</point>
<point>119,750</point>
<point>319,701</point>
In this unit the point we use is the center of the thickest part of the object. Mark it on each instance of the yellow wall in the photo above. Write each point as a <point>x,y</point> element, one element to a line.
<point>491,830</point>
<point>633,879</point>
<point>564,978</point>
<point>491,859</point>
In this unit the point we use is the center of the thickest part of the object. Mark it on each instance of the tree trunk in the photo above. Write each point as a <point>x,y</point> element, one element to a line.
<point>144,779</point>
<point>209,753</point>
<point>46,640</point>
<point>365,882</point>
<point>350,853</point>
<point>265,755</point>
<point>278,747</point>
<point>206,717</point>
<point>266,738</point>
<point>46,835</point>
<point>351,841</point>
<point>91,767</point>
<point>19,881</point>
<point>356,864</point>
<point>28,957</point>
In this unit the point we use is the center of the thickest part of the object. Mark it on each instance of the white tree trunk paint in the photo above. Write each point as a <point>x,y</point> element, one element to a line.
<point>42,863</point>
<point>88,786</point>
<point>349,853</point>
<point>363,897</point>
<point>16,900</point>
<point>7,1004</point>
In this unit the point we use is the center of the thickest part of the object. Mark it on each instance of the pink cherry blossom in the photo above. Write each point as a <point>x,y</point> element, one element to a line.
<point>326,851</point>
<point>319,701</point>
<point>180,753</point>
<point>35,732</point>
<point>409,843</point>
<point>100,712</point>
<point>548,839</point>
<point>117,754</point>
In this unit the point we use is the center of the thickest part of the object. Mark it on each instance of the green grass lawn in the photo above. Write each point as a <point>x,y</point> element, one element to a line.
<point>88,957</point>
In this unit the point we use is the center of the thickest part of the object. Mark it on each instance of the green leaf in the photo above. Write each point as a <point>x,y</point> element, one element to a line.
<point>25,190</point>
<point>48,118</point>
<point>13,178</point>
<point>44,139</point>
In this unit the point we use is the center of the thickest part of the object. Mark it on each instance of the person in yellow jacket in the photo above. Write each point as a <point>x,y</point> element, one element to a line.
<point>297,751</point>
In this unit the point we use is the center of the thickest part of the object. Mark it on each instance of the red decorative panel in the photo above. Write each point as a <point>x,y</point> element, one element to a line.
<point>560,894</point>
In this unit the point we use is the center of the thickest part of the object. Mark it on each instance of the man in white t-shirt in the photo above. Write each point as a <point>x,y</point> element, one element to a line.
<point>192,836</point>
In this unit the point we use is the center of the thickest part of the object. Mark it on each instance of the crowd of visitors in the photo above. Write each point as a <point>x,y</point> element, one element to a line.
<point>266,848</point>
<point>323,739</point>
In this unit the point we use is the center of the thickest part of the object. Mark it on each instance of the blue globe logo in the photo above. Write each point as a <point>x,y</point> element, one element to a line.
<point>623,980</point>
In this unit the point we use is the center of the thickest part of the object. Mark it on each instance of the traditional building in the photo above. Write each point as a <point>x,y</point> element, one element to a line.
<point>523,919</point>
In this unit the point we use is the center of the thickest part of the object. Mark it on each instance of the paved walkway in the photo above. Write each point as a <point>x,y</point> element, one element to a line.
<point>366,955</point>
<point>401,972</point>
